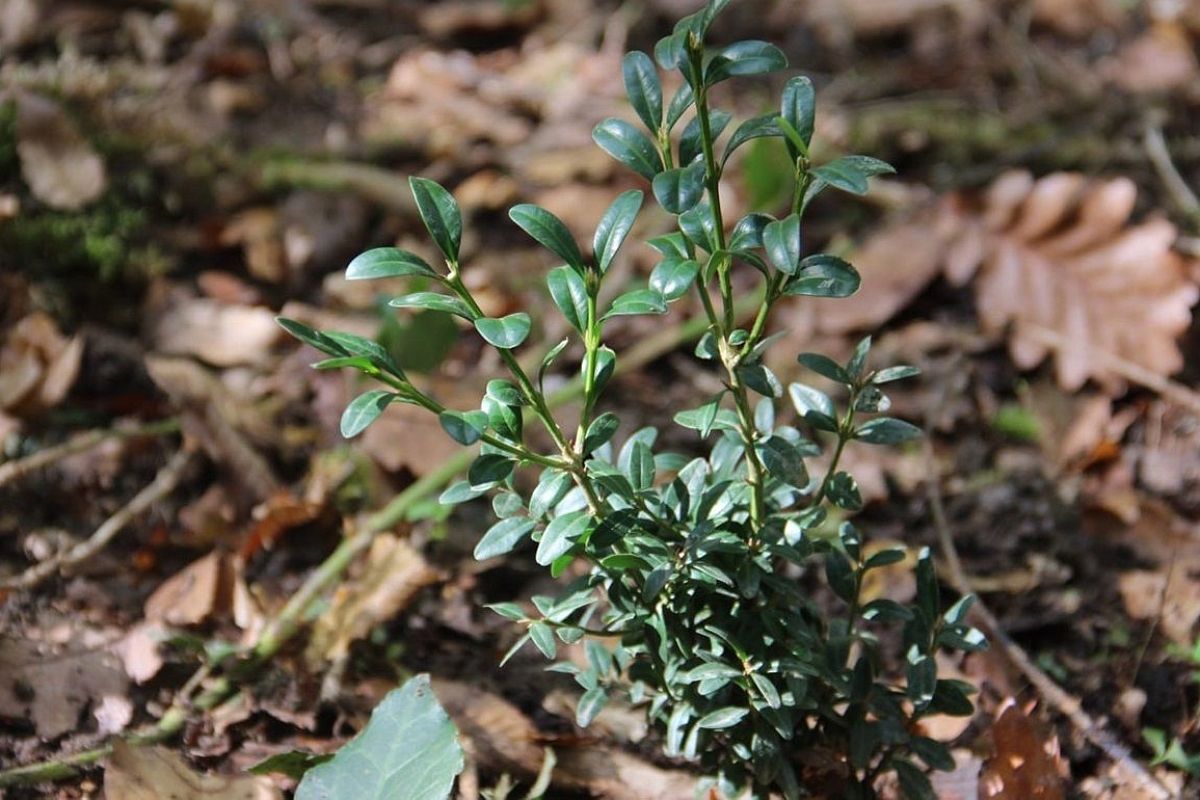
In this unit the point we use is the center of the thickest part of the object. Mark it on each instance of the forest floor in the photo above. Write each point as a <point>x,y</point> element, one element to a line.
<point>189,550</point>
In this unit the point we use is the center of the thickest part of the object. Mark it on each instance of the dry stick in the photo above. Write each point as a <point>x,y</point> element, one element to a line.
<point>79,443</point>
<point>294,613</point>
<point>164,482</point>
<point>1134,373</point>
<point>1068,705</point>
<point>1160,158</point>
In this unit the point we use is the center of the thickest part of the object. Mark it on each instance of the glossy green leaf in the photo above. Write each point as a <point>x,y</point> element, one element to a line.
<point>673,277</point>
<point>744,58</point>
<point>543,637</point>
<point>590,704</point>
<point>639,301</point>
<point>440,214</point>
<point>548,231</point>
<point>364,410</point>
<point>628,145</point>
<point>681,101</point>
<point>600,431</point>
<point>697,225</point>
<point>433,302</point>
<point>570,296</point>
<point>312,337</point>
<point>914,783</point>
<point>823,275</point>
<point>552,487</point>
<point>722,718</point>
<point>643,88</point>
<point>783,461</point>
<point>506,332</point>
<point>505,392</point>
<point>824,366</point>
<point>489,469</point>
<point>614,226</point>
<point>850,173</point>
<point>691,141</point>
<point>560,535</point>
<point>840,574</point>
<point>889,374</point>
<point>806,399</point>
<point>756,128</point>
<point>671,51</point>
<point>503,537</point>
<point>464,427</point>
<point>782,242</point>
<point>798,109</point>
<point>505,419</point>
<point>388,262</point>
<point>460,492</point>
<point>677,190</point>
<point>409,748</point>
<point>361,346</point>
<point>887,430</point>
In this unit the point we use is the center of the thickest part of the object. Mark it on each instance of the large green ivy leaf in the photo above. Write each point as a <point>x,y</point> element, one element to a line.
<point>409,749</point>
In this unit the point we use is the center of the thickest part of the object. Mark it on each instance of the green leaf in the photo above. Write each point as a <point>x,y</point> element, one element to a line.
<point>697,225</point>
<point>388,262</point>
<point>364,410</point>
<point>825,367</point>
<point>850,173</point>
<point>606,364</point>
<point>702,419</point>
<point>840,574</point>
<point>293,763</point>
<point>548,231</point>
<point>783,460</point>
<point>639,301</point>
<point>628,145</point>
<point>889,374</point>
<point>671,51</point>
<point>756,128</point>
<point>440,214</point>
<point>672,277</point>
<point>711,670</point>
<point>502,537</point>
<point>620,562</point>
<point>489,469</point>
<point>505,419</point>
<point>806,399</point>
<point>363,347</point>
<point>560,535</point>
<point>504,333</point>
<point>643,87</point>
<point>843,491</point>
<point>460,492</point>
<point>760,378</point>
<point>543,637</point>
<point>748,233</point>
<point>569,294</point>
<point>641,467</point>
<point>464,427</point>
<point>552,487</point>
<point>409,749</point>
<point>312,337</point>
<point>505,392</point>
<point>433,302</point>
<point>681,101</point>
<point>677,190</point>
<point>548,359</point>
<point>887,430</point>
<point>922,679</point>
<point>798,109</point>
<point>691,140</point>
<point>614,227</point>
<point>590,704</point>
<point>913,782</point>
<point>782,242</point>
<point>722,718</point>
<point>823,275</point>
<point>893,555</point>
<point>744,58</point>
<point>600,431</point>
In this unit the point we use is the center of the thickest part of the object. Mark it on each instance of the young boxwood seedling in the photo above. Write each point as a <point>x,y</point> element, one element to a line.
<point>694,602</point>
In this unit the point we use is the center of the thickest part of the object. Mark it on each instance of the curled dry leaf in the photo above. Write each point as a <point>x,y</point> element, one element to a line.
<point>1026,764</point>
<point>394,572</point>
<point>218,334</point>
<point>152,773</point>
<point>57,162</point>
<point>208,587</point>
<point>38,365</point>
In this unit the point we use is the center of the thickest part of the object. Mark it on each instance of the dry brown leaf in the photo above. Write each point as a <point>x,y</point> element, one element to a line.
<point>257,230</point>
<point>57,162</point>
<point>1159,60</point>
<point>138,651</point>
<point>1058,254</point>
<point>218,334</point>
<point>1170,595</point>
<point>51,688</point>
<point>1079,17</point>
<point>38,365</point>
<point>838,22</point>
<point>393,574</point>
<point>1026,764</point>
<point>153,773</point>
<point>208,587</point>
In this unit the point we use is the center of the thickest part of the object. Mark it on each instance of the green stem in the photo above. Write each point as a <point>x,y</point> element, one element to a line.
<point>845,433</point>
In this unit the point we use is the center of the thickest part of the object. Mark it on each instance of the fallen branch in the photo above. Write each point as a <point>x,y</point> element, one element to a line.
<point>982,617</point>
<point>79,443</point>
<point>163,484</point>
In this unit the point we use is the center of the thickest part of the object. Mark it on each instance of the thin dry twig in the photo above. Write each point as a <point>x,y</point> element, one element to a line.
<point>981,616</point>
<point>79,443</point>
<point>163,484</point>
<point>1160,159</point>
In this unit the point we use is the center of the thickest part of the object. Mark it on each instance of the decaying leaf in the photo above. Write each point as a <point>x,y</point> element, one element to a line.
<point>1026,764</point>
<point>394,572</point>
<point>60,166</point>
<point>38,365</point>
<point>1159,60</point>
<point>153,773</point>
<point>52,688</point>
<point>839,20</point>
<point>1058,254</point>
<point>1170,595</point>
<point>208,587</point>
<point>218,334</point>
<point>1079,17</point>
